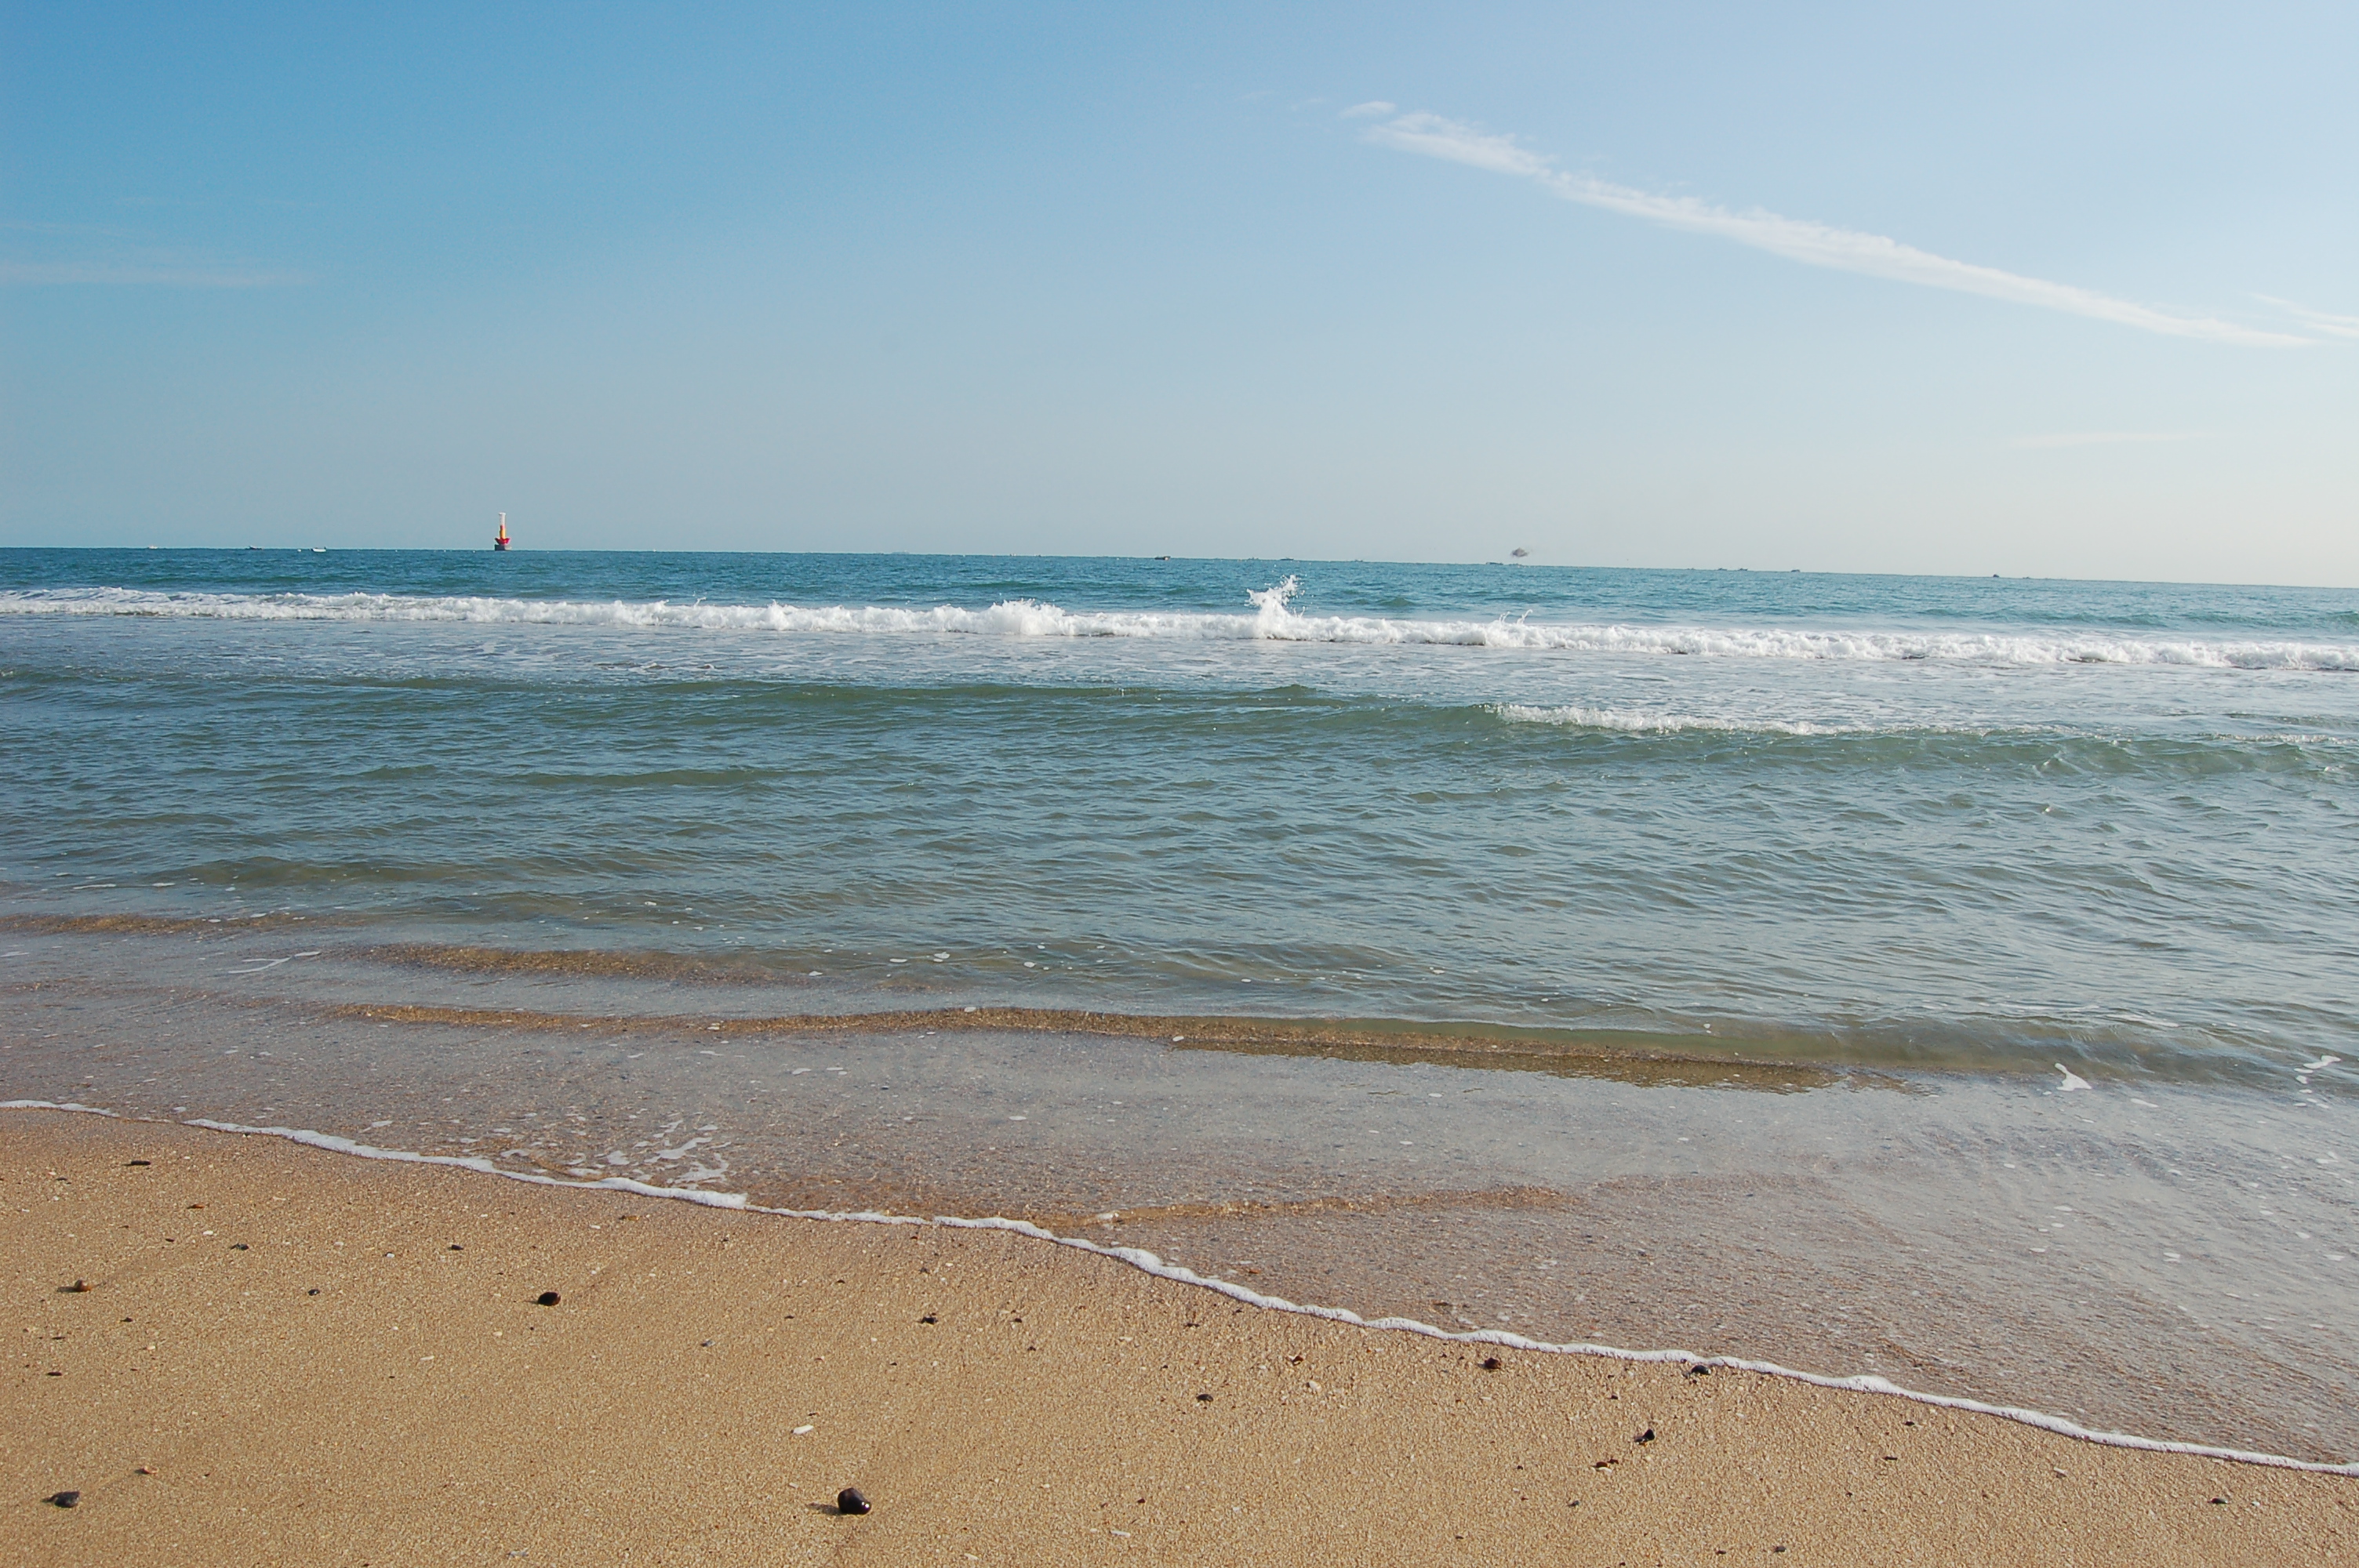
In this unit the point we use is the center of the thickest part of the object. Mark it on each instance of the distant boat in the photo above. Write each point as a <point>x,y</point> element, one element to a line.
<point>500,541</point>
<point>318,549</point>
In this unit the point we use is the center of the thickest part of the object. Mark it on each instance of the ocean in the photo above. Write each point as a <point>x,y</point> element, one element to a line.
<point>1942,979</point>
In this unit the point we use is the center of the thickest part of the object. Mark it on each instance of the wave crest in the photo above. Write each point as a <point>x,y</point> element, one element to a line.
<point>1274,619</point>
<point>1636,723</point>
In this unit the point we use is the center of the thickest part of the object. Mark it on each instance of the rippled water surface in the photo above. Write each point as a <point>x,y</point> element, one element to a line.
<point>1866,882</point>
<point>1885,818</point>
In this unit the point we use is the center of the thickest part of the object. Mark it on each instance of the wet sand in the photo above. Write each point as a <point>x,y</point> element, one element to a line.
<point>2174,1262</point>
<point>287,1356</point>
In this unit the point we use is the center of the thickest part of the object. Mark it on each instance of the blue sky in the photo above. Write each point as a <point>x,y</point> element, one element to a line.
<point>2058,289</point>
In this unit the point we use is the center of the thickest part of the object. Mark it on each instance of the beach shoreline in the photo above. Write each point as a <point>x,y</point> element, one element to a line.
<point>1984,1239</point>
<point>332,1376</point>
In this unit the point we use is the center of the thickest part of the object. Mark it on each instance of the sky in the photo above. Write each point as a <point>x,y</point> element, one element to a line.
<point>2051,289</point>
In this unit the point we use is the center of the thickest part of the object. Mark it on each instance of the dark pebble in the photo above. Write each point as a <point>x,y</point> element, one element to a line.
<point>549,1298</point>
<point>1706,1372</point>
<point>930,1317</point>
<point>313,1290</point>
<point>138,1161</point>
<point>2221,1500</point>
<point>1646,1437</point>
<point>1203,1399</point>
<point>850,1501</point>
<point>1490,1363</point>
<point>64,1499</point>
<point>239,1247</point>
<point>456,1248</point>
<point>79,1288</point>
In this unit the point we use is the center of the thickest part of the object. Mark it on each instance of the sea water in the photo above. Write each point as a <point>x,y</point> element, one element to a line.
<point>1948,978</point>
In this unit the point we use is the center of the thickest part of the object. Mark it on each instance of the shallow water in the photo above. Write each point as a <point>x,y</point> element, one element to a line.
<point>1673,957</point>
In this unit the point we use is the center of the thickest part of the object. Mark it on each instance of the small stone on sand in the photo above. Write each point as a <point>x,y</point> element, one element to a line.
<point>64,1499</point>
<point>79,1287</point>
<point>1490,1363</point>
<point>850,1501</point>
<point>549,1298</point>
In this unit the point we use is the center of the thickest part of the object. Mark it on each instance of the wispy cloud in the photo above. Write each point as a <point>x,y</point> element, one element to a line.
<point>70,273</point>
<point>2317,320</point>
<point>1797,238</point>
<point>2104,439</point>
<point>67,231</point>
<point>1374,106</point>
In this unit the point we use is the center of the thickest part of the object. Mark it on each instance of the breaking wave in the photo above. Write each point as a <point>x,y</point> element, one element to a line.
<point>1637,723</point>
<point>1273,618</point>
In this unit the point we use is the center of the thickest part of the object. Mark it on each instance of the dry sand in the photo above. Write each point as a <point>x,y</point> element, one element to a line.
<point>287,1356</point>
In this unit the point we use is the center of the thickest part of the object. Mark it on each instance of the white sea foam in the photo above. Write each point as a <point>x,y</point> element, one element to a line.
<point>1149,1262</point>
<point>1629,721</point>
<point>1273,620</point>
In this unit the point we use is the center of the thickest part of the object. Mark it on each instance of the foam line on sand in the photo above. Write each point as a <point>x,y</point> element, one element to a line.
<point>1149,1262</point>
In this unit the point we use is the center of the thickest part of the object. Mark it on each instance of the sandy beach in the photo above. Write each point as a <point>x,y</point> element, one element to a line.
<point>287,1356</point>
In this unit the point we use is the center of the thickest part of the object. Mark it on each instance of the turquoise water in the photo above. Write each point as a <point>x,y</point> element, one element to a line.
<point>1941,979</point>
<point>1893,820</point>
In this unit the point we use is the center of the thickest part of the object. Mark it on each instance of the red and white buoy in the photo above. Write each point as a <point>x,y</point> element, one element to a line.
<point>500,540</point>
